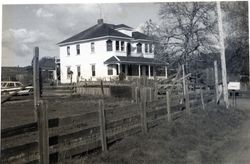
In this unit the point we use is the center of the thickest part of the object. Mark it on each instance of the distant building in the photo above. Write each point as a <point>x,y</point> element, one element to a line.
<point>104,50</point>
<point>50,68</point>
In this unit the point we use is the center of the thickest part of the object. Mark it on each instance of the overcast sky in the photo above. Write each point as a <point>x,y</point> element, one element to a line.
<point>27,26</point>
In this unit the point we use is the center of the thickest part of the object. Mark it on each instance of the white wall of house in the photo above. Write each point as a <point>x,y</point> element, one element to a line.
<point>86,59</point>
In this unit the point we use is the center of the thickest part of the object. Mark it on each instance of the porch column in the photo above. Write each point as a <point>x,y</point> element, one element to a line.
<point>119,68</point>
<point>126,69</point>
<point>166,72</point>
<point>149,70</point>
<point>139,69</point>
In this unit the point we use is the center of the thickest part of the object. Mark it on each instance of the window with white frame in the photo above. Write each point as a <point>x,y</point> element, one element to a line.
<point>122,45</point>
<point>110,70</point>
<point>68,50</point>
<point>146,47</point>
<point>139,48</point>
<point>69,72</point>
<point>78,69</point>
<point>150,48</point>
<point>92,47</point>
<point>109,45</point>
<point>117,45</point>
<point>93,69</point>
<point>78,49</point>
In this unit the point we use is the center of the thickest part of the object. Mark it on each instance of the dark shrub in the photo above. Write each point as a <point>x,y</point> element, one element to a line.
<point>121,91</point>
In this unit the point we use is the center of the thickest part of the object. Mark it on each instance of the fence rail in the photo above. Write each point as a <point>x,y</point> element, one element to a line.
<point>70,136</point>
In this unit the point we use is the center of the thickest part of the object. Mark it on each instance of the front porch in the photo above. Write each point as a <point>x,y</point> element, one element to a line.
<point>135,67</point>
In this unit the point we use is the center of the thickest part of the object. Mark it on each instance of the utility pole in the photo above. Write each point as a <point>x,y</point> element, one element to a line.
<point>223,58</point>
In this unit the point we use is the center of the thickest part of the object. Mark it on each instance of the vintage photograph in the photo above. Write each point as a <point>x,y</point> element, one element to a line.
<point>126,83</point>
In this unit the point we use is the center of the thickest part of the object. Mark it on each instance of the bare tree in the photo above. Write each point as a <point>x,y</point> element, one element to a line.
<point>188,30</point>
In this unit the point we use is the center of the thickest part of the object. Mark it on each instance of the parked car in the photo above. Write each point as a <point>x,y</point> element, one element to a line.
<point>8,87</point>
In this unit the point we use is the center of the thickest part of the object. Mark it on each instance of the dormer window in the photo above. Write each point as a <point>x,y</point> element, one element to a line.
<point>117,45</point>
<point>150,48</point>
<point>68,50</point>
<point>146,47</point>
<point>139,48</point>
<point>122,45</point>
<point>78,49</point>
<point>109,45</point>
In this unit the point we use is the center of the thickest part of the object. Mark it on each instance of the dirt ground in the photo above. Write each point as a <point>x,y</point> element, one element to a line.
<point>239,151</point>
<point>214,136</point>
<point>15,113</point>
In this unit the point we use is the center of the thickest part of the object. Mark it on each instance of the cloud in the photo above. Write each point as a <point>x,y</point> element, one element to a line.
<point>44,13</point>
<point>22,41</point>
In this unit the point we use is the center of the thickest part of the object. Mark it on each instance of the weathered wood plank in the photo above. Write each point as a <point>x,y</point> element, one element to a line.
<point>20,154</point>
<point>17,130</point>
<point>117,123</point>
<point>19,140</point>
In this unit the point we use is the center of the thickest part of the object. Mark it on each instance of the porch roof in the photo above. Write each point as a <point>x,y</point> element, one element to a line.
<point>133,60</point>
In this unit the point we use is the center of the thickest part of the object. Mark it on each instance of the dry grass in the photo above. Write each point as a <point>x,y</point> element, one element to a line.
<point>199,138</point>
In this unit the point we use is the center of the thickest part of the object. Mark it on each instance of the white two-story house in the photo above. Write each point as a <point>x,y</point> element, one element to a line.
<point>104,50</point>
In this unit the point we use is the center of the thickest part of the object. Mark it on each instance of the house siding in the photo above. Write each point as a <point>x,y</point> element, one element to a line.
<point>86,58</point>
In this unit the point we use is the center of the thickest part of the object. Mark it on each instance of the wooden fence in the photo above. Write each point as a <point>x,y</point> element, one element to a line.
<point>90,89</point>
<point>83,133</point>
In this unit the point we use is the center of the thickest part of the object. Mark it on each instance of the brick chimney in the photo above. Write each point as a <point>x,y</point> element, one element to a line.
<point>100,21</point>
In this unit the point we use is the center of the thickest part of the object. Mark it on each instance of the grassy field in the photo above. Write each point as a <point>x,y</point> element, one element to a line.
<point>15,113</point>
<point>199,138</point>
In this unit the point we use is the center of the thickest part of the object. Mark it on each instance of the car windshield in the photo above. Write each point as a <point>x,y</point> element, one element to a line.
<point>3,84</point>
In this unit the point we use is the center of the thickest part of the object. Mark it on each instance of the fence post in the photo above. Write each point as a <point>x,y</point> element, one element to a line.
<point>216,81</point>
<point>102,88</point>
<point>150,94</point>
<point>136,94</point>
<point>168,106</point>
<point>143,107</point>
<point>102,125</point>
<point>187,100</point>
<point>75,88</point>
<point>155,90</point>
<point>207,78</point>
<point>36,80</point>
<point>202,99</point>
<point>42,121</point>
<point>185,90</point>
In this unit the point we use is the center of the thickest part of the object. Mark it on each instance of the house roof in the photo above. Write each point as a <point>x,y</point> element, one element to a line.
<point>138,35</point>
<point>99,30</point>
<point>133,60</point>
<point>122,26</point>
